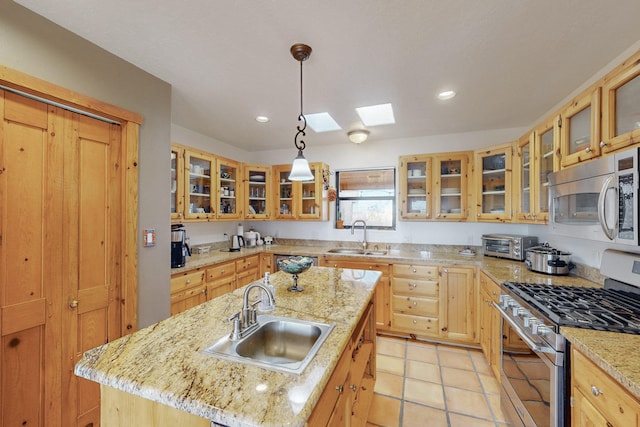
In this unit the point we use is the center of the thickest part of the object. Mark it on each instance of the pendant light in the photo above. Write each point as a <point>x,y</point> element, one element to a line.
<point>300,170</point>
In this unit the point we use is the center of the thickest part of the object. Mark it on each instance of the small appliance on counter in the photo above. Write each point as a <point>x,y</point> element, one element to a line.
<point>510,246</point>
<point>547,260</point>
<point>179,247</point>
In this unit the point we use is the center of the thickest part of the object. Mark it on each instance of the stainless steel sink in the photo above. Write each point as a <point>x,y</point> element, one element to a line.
<point>355,251</point>
<point>279,343</point>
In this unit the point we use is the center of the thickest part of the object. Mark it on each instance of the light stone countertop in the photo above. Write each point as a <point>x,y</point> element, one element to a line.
<point>163,362</point>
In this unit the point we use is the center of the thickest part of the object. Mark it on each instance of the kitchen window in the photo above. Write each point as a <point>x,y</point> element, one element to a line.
<point>369,195</point>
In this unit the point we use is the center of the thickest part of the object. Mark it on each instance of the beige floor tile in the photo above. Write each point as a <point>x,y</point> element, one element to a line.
<point>453,349</point>
<point>480,363</point>
<point>460,378</point>
<point>423,392</point>
<point>455,360</point>
<point>423,371</point>
<point>458,420</point>
<point>389,384</point>
<point>489,383</point>
<point>393,365</point>
<point>414,415</point>
<point>467,402</point>
<point>392,347</point>
<point>384,411</point>
<point>494,402</point>
<point>422,352</point>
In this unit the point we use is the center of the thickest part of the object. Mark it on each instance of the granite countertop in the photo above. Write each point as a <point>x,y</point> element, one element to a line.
<point>163,362</point>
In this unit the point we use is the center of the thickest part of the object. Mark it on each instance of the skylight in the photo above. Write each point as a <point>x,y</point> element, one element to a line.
<point>322,122</point>
<point>375,115</point>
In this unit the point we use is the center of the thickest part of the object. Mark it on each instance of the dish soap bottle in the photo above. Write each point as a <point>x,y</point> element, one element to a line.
<point>264,304</point>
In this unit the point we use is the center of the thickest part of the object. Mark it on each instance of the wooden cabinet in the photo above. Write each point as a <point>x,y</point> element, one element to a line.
<point>347,396</point>
<point>493,183</point>
<point>229,200</point>
<point>620,114</point>
<point>302,200</point>
<point>187,290</point>
<point>258,200</point>
<point>382,296</point>
<point>598,399</point>
<point>536,157</point>
<point>247,270</point>
<point>458,296</point>
<point>199,182</point>
<point>221,279</point>
<point>580,129</point>
<point>177,182</point>
<point>434,186</point>
<point>266,264</point>
<point>490,321</point>
<point>415,299</point>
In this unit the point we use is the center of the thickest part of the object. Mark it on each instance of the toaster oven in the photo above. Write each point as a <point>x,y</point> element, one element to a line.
<point>510,246</point>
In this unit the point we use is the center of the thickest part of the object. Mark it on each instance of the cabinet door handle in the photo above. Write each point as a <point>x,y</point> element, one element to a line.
<point>587,150</point>
<point>415,322</point>
<point>414,270</point>
<point>73,304</point>
<point>595,391</point>
<point>603,144</point>
<point>340,388</point>
<point>353,387</point>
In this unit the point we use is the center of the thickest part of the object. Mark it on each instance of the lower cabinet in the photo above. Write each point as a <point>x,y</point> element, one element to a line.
<point>221,279</point>
<point>597,399</point>
<point>458,296</point>
<point>382,315</point>
<point>347,396</point>
<point>247,270</point>
<point>489,327</point>
<point>187,290</point>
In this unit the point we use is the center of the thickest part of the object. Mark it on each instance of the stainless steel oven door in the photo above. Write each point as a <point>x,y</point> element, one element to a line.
<point>533,381</point>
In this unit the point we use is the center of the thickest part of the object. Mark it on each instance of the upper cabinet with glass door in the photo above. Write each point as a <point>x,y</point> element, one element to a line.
<point>229,201</point>
<point>580,129</point>
<point>621,106</point>
<point>493,183</point>
<point>415,187</point>
<point>177,182</point>
<point>257,191</point>
<point>301,199</point>
<point>450,177</point>
<point>198,184</point>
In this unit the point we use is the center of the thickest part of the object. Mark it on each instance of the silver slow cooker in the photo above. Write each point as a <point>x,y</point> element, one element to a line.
<point>547,260</point>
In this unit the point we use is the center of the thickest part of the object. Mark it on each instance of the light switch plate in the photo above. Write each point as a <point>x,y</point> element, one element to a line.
<point>149,238</point>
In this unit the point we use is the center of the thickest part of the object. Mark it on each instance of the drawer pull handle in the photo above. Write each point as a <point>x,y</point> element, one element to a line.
<point>340,388</point>
<point>595,391</point>
<point>412,285</point>
<point>415,303</point>
<point>188,281</point>
<point>415,322</point>
<point>414,270</point>
<point>353,387</point>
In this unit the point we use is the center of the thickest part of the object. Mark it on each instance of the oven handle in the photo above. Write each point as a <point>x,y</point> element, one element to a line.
<point>525,338</point>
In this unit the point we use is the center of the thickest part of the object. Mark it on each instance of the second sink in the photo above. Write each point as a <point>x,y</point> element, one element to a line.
<point>350,251</point>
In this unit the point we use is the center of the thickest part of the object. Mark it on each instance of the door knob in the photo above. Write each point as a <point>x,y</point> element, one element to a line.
<point>73,304</point>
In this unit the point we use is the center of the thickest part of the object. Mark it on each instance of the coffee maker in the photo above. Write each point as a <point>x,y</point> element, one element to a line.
<point>179,247</point>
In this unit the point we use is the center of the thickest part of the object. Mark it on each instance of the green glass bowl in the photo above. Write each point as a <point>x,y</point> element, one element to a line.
<point>295,265</point>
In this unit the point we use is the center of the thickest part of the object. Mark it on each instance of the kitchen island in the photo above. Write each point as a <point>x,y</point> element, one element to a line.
<point>162,367</point>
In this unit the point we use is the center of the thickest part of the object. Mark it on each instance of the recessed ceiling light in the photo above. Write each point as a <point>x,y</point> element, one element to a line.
<point>447,94</point>
<point>322,122</point>
<point>262,119</point>
<point>376,115</point>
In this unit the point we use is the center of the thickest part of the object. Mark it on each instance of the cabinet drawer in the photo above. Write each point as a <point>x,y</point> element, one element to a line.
<point>612,400</point>
<point>221,271</point>
<point>415,324</point>
<point>425,272</point>
<point>414,287</point>
<point>247,263</point>
<point>415,305</point>
<point>491,287</point>
<point>199,291</point>
<point>187,280</point>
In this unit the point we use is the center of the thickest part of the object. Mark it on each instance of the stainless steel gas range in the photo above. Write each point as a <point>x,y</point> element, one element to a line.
<point>534,375</point>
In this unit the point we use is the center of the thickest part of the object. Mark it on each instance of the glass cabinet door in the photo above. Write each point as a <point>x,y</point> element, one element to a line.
<point>177,183</point>
<point>524,157</point>
<point>450,189</point>
<point>283,188</point>
<point>229,189</point>
<point>415,187</point>
<point>621,105</point>
<point>257,191</point>
<point>198,185</point>
<point>580,138</point>
<point>310,194</point>
<point>494,181</point>
<point>546,162</point>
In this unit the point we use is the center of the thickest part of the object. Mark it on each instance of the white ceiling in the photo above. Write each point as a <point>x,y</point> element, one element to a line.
<point>228,61</point>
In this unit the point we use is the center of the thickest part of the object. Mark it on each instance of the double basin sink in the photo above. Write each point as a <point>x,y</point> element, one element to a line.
<point>349,251</point>
<point>278,343</point>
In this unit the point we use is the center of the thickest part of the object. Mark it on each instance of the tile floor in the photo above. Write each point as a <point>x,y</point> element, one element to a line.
<point>424,384</point>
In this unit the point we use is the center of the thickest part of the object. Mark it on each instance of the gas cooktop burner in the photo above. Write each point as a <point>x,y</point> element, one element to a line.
<point>590,308</point>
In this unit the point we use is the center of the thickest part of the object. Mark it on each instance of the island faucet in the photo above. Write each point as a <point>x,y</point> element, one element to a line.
<point>245,321</point>
<point>364,229</point>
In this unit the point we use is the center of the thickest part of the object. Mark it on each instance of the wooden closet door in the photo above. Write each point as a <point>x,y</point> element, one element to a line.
<point>30,262</point>
<point>93,233</point>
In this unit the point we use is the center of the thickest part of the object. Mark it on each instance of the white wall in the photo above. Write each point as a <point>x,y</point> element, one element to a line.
<point>35,46</point>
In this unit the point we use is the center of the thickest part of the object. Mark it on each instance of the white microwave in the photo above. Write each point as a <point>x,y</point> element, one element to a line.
<point>597,200</point>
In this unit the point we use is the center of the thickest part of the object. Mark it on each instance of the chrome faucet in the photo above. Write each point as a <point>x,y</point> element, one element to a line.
<point>245,321</point>
<point>364,229</point>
